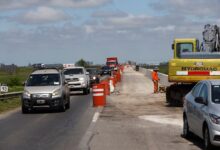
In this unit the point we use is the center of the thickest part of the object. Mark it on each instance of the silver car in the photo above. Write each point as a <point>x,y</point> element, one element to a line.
<point>201,112</point>
<point>45,88</point>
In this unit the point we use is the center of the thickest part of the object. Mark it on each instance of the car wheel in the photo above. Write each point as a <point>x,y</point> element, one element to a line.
<point>68,103</point>
<point>186,132</point>
<point>206,138</point>
<point>24,110</point>
<point>85,91</point>
<point>62,107</point>
<point>88,90</point>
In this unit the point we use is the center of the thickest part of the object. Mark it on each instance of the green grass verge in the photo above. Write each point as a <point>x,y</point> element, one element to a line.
<point>16,79</point>
<point>15,89</point>
<point>10,104</point>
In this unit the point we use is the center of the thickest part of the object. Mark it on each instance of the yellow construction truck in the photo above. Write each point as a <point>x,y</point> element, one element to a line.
<point>193,62</point>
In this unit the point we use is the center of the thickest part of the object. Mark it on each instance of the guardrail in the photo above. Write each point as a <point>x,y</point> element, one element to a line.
<point>5,96</point>
<point>10,95</point>
<point>163,77</point>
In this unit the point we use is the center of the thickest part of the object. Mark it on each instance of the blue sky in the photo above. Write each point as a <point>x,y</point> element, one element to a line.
<point>64,31</point>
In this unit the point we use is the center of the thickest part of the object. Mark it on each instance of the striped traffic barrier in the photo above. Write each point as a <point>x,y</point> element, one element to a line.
<point>99,96</point>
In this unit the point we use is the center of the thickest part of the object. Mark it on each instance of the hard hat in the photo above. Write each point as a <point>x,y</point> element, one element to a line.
<point>156,68</point>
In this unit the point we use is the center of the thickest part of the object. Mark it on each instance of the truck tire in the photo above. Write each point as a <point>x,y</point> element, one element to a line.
<point>168,95</point>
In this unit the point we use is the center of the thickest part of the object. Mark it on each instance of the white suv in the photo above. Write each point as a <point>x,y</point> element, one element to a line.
<point>77,79</point>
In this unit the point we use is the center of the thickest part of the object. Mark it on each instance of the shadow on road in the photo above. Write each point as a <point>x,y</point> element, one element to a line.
<point>44,111</point>
<point>195,140</point>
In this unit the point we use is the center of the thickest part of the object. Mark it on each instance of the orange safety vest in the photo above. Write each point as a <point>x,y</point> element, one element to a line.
<point>155,76</point>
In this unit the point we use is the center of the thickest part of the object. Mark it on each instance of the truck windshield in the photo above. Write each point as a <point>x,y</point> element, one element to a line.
<point>216,94</point>
<point>111,63</point>
<point>73,71</point>
<point>43,80</point>
<point>183,47</point>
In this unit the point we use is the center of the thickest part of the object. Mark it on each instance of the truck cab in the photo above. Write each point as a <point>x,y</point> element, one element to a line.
<point>181,46</point>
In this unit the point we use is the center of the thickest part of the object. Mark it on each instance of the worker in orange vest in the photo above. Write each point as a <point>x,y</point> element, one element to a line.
<point>155,79</point>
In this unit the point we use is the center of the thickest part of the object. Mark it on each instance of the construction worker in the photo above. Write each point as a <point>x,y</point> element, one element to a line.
<point>155,79</point>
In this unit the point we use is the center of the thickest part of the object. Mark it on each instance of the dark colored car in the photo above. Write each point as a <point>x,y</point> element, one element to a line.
<point>106,70</point>
<point>94,75</point>
<point>137,67</point>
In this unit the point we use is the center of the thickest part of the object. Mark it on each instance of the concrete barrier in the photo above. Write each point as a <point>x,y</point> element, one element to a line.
<point>163,77</point>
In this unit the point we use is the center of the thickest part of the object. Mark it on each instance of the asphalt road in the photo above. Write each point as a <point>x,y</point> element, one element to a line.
<point>47,130</point>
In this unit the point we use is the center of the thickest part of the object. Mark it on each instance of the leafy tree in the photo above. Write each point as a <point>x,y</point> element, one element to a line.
<point>83,63</point>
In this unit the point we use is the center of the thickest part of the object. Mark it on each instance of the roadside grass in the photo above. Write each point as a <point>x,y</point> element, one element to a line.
<point>6,105</point>
<point>16,79</point>
<point>15,88</point>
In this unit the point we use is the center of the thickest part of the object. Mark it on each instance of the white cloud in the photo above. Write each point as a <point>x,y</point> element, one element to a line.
<point>195,8</point>
<point>129,21</point>
<point>78,3</point>
<point>89,29</point>
<point>43,15</point>
<point>164,28</point>
<point>16,4</point>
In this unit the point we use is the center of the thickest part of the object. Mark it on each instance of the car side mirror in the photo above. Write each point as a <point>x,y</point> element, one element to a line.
<point>65,82</point>
<point>172,46</point>
<point>200,100</point>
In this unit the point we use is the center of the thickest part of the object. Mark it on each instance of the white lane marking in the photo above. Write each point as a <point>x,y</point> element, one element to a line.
<point>162,119</point>
<point>95,117</point>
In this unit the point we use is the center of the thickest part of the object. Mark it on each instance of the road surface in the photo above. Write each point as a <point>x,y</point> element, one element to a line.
<point>137,119</point>
<point>47,130</point>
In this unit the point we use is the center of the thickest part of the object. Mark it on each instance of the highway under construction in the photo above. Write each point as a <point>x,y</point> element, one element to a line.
<point>134,118</point>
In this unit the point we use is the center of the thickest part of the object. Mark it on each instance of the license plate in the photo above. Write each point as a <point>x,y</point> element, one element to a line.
<point>41,101</point>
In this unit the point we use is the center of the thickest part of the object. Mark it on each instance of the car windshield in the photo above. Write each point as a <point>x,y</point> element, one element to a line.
<point>73,71</point>
<point>92,71</point>
<point>216,94</point>
<point>43,80</point>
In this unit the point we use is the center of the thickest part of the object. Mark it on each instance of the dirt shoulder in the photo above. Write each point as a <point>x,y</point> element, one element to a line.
<point>137,119</point>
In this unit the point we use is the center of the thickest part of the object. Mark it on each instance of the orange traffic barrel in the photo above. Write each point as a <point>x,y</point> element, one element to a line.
<point>99,96</point>
<point>118,76</point>
<point>115,78</point>
<point>107,87</point>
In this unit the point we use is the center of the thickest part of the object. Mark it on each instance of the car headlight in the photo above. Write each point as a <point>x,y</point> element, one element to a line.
<point>81,79</point>
<point>215,119</point>
<point>26,94</point>
<point>94,77</point>
<point>56,93</point>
